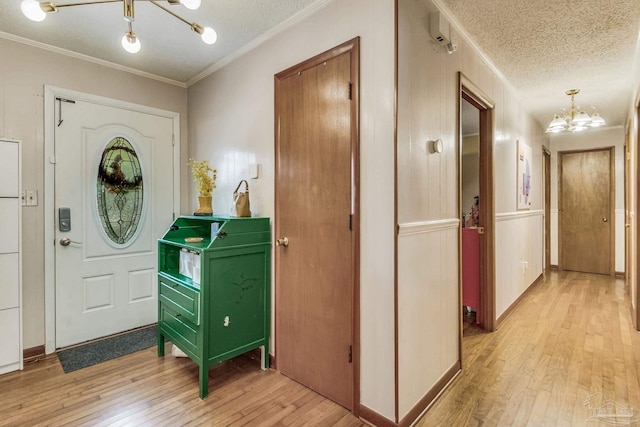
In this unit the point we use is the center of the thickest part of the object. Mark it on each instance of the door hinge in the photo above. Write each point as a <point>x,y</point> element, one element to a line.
<point>350,90</point>
<point>350,354</point>
<point>350,221</point>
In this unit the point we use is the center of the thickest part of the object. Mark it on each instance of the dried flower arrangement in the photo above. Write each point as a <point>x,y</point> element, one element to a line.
<point>206,182</point>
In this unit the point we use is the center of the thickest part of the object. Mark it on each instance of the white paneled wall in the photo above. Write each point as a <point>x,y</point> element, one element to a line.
<point>231,115</point>
<point>428,325</point>
<point>632,192</point>
<point>428,191</point>
<point>519,238</point>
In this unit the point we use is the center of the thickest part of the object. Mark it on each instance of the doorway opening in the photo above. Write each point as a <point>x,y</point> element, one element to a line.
<point>470,214</point>
<point>477,211</point>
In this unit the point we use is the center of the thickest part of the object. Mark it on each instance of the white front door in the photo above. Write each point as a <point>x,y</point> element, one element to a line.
<point>114,197</point>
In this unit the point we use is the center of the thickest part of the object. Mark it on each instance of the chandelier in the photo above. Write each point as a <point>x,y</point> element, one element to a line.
<point>37,11</point>
<point>574,120</point>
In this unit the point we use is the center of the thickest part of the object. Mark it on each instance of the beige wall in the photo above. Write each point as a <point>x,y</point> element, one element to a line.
<point>632,191</point>
<point>24,71</point>
<point>599,138</point>
<point>428,206</point>
<point>231,117</point>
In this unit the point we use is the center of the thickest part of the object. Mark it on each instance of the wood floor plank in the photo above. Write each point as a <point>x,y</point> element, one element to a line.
<point>142,389</point>
<point>571,336</point>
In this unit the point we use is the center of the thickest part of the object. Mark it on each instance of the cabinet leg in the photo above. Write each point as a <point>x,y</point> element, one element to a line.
<point>204,380</point>
<point>264,357</point>
<point>160,344</point>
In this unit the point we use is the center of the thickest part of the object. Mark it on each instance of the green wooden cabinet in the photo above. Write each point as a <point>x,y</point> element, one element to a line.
<point>214,295</point>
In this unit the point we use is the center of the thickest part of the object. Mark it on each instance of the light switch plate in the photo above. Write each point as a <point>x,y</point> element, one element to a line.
<point>253,170</point>
<point>32,197</point>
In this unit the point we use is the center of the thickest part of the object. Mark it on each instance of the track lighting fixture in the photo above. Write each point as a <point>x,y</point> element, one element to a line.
<point>37,11</point>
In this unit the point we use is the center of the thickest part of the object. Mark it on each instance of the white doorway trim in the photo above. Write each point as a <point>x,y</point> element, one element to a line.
<point>50,94</point>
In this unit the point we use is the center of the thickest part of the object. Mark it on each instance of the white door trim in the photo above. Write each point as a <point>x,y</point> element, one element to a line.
<point>50,94</point>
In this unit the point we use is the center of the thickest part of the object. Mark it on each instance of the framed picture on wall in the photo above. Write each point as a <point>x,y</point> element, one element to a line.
<point>524,175</point>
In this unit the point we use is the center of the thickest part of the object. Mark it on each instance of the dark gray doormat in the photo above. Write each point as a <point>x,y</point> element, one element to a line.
<point>109,348</point>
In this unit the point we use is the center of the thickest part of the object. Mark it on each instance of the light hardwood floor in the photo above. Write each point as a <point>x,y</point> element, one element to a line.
<point>572,336</point>
<point>142,389</point>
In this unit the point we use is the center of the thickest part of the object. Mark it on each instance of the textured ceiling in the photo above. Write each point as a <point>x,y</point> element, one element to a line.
<point>545,47</point>
<point>169,48</point>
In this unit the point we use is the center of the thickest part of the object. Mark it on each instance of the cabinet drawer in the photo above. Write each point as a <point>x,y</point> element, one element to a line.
<point>9,153</point>
<point>9,226</point>
<point>183,300</point>
<point>10,282</point>
<point>10,339</point>
<point>178,326</point>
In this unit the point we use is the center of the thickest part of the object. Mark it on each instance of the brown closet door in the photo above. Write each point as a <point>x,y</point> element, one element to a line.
<point>586,211</point>
<point>314,273</point>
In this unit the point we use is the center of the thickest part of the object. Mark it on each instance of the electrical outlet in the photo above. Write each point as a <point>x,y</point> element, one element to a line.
<point>525,266</point>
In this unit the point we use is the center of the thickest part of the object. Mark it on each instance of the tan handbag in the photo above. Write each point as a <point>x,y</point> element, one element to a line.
<point>241,200</point>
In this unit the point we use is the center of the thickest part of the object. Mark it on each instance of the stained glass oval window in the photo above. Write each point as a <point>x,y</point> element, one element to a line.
<point>119,194</point>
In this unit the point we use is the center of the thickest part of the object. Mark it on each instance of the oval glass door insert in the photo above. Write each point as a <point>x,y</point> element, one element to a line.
<point>119,191</point>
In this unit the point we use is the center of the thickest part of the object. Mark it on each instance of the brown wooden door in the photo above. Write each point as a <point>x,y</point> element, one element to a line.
<point>315,272</point>
<point>586,203</point>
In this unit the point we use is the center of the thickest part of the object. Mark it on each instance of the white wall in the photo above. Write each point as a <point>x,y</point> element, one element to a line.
<point>632,200</point>
<point>597,138</point>
<point>428,211</point>
<point>24,70</point>
<point>231,116</point>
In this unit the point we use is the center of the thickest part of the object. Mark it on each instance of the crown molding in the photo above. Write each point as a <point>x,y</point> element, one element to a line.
<point>91,59</point>
<point>300,16</point>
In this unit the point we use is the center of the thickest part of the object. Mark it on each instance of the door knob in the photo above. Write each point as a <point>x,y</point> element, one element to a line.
<point>604,219</point>
<point>282,242</point>
<point>65,241</point>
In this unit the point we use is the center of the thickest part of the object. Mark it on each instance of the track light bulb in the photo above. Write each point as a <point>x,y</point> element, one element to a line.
<point>130,42</point>
<point>32,10</point>
<point>191,4</point>
<point>209,35</point>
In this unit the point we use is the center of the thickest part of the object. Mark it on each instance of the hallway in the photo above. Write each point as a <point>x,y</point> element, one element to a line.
<point>572,336</point>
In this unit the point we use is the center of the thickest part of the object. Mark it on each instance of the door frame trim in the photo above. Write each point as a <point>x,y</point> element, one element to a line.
<point>612,205</point>
<point>50,94</point>
<point>475,96</point>
<point>546,172</point>
<point>352,46</point>
<point>634,177</point>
